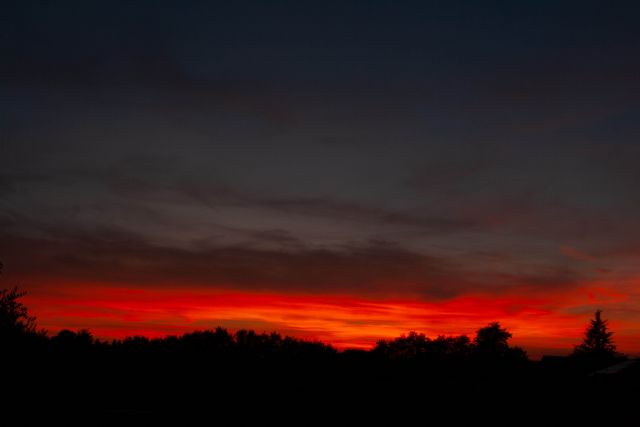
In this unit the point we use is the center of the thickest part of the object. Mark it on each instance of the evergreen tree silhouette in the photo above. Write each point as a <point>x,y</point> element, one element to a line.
<point>597,342</point>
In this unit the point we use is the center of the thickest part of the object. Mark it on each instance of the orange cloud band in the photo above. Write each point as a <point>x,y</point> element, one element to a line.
<point>540,324</point>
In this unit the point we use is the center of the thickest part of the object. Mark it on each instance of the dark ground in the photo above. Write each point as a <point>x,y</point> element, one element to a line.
<point>357,387</point>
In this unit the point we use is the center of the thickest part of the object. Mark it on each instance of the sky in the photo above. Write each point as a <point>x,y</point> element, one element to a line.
<point>337,170</point>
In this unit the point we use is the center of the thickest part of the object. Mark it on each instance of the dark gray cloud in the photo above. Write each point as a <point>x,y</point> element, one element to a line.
<point>114,256</point>
<point>147,179</point>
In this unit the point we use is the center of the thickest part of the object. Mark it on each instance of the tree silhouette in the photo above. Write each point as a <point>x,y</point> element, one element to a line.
<point>14,317</point>
<point>80,339</point>
<point>405,347</point>
<point>597,343</point>
<point>492,343</point>
<point>492,336</point>
<point>492,340</point>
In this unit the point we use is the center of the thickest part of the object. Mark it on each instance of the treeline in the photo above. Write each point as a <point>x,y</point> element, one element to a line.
<point>490,343</point>
<point>217,343</point>
<point>140,379</point>
<point>19,334</point>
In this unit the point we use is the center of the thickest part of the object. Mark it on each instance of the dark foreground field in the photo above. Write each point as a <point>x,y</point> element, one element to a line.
<point>175,389</point>
<point>218,377</point>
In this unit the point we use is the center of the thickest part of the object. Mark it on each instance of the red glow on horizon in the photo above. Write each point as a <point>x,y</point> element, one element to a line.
<point>540,324</point>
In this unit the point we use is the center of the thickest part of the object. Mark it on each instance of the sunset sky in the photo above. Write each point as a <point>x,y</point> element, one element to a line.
<point>336,170</point>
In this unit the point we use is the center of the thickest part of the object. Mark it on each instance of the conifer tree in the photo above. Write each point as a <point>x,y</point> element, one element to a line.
<point>597,341</point>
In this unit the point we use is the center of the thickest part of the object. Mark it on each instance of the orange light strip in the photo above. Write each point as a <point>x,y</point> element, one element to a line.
<point>539,324</point>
